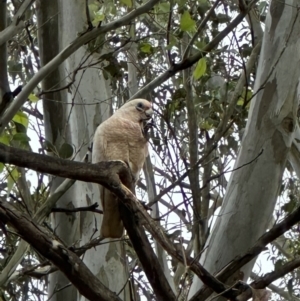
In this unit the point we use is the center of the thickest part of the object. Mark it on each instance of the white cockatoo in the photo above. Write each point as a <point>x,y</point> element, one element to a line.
<point>121,137</point>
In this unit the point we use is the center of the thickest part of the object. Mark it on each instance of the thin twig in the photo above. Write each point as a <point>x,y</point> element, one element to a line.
<point>91,208</point>
<point>168,33</point>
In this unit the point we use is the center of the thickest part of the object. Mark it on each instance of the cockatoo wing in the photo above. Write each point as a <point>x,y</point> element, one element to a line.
<point>120,137</point>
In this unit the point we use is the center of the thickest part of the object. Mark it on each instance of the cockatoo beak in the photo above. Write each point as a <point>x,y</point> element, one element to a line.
<point>149,113</point>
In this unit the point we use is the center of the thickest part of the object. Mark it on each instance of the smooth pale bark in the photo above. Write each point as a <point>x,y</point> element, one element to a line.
<point>84,107</point>
<point>294,155</point>
<point>252,191</point>
<point>54,112</point>
<point>53,129</point>
<point>17,23</point>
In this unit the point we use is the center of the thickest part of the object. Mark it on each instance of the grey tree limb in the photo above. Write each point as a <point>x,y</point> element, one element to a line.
<point>108,174</point>
<point>16,25</point>
<point>190,61</point>
<point>67,261</point>
<point>64,54</point>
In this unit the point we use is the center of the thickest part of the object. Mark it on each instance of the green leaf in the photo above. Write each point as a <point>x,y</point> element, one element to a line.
<point>187,23</point>
<point>111,69</point>
<point>164,7</point>
<point>203,6</point>
<point>146,48</point>
<point>240,102</point>
<point>173,41</point>
<point>5,139</point>
<point>200,44</point>
<point>97,14</point>
<point>66,151</point>
<point>206,126</point>
<point>241,99</point>
<point>1,167</point>
<point>21,140</point>
<point>33,98</point>
<point>181,3</point>
<point>127,3</point>
<point>200,68</point>
<point>98,18</point>
<point>93,8</point>
<point>179,93</point>
<point>21,118</point>
<point>12,178</point>
<point>113,10</point>
<point>22,137</point>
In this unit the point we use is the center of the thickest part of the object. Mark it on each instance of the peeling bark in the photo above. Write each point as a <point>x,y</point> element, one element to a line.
<point>252,191</point>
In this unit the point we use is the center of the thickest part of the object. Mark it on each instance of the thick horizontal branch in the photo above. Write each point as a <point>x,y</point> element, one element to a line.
<point>107,174</point>
<point>68,262</point>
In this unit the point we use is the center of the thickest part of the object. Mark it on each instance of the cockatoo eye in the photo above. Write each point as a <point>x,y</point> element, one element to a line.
<point>140,106</point>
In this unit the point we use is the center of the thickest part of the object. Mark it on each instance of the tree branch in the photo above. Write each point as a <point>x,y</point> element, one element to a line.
<point>262,282</point>
<point>39,216</point>
<point>280,291</point>
<point>108,174</point>
<point>259,246</point>
<point>146,255</point>
<point>105,173</point>
<point>190,61</point>
<point>16,25</point>
<point>64,54</point>
<point>200,28</point>
<point>68,262</point>
<point>91,208</point>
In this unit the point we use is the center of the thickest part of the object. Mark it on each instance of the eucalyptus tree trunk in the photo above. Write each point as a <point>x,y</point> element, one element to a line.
<point>54,112</point>
<point>253,189</point>
<point>70,122</point>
